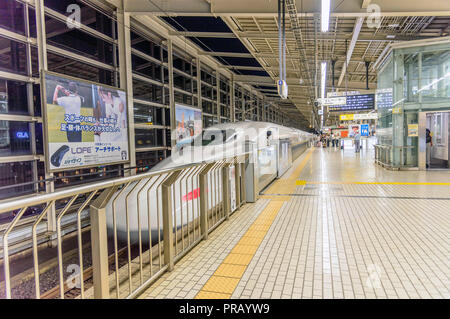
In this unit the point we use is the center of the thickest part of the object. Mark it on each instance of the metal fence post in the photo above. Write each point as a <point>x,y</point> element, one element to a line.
<point>167,214</point>
<point>204,200</point>
<point>99,244</point>
<point>226,190</point>
<point>243,183</point>
<point>237,176</point>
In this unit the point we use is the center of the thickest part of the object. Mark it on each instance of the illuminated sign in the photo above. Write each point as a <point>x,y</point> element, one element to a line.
<point>355,117</point>
<point>342,100</point>
<point>347,117</point>
<point>355,103</point>
<point>22,135</point>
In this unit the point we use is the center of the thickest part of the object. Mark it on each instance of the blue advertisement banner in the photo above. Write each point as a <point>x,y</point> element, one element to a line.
<point>364,129</point>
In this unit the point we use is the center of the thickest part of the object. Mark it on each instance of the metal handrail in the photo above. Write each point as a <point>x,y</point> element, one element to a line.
<point>37,199</point>
<point>99,195</point>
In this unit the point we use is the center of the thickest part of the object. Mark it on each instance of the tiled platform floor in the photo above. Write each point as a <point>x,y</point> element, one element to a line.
<point>330,237</point>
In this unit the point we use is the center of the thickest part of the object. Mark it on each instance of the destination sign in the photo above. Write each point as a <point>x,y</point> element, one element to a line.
<point>355,103</point>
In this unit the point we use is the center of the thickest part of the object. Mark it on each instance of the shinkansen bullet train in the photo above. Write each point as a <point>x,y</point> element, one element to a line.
<point>272,149</point>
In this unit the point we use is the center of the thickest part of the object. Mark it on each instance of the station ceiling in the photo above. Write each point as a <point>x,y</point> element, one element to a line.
<point>243,36</point>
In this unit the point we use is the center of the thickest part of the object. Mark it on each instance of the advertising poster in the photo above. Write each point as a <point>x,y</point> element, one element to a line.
<point>413,130</point>
<point>188,124</point>
<point>364,129</point>
<point>86,124</point>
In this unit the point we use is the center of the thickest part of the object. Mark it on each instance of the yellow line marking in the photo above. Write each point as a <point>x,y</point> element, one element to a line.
<point>223,282</point>
<point>300,182</point>
<point>225,279</point>
<point>286,185</point>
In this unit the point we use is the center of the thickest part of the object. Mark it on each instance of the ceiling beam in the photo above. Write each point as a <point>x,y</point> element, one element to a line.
<point>365,4</point>
<point>253,8</point>
<point>356,29</point>
<point>228,54</point>
<point>363,37</point>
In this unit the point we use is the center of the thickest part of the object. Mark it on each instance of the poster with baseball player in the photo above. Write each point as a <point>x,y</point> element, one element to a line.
<point>86,123</point>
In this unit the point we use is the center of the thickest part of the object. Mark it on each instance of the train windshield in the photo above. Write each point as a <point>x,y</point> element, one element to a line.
<point>214,137</point>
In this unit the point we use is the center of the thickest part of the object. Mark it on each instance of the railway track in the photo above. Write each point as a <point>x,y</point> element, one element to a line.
<point>71,293</point>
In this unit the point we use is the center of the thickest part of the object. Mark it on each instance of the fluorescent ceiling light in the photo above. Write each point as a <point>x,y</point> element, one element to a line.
<point>390,36</point>
<point>323,79</point>
<point>325,17</point>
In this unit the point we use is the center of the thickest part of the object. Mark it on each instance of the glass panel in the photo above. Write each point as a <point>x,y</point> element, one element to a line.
<point>90,17</point>
<point>13,97</point>
<point>12,16</point>
<point>13,174</point>
<point>146,160</point>
<point>14,138</point>
<point>32,22</point>
<point>149,138</point>
<point>145,46</point>
<point>435,82</point>
<point>147,91</point>
<point>146,68</point>
<point>148,114</point>
<point>65,65</point>
<point>39,139</point>
<point>81,176</point>
<point>13,56</point>
<point>411,77</point>
<point>77,41</point>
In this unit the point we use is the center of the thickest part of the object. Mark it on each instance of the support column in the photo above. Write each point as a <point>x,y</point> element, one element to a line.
<point>232,100</point>
<point>126,78</point>
<point>243,105</point>
<point>167,216</point>
<point>218,110</point>
<point>43,67</point>
<point>398,113</point>
<point>173,141</point>
<point>99,243</point>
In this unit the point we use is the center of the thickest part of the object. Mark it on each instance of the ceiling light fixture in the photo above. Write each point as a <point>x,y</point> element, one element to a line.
<point>325,17</point>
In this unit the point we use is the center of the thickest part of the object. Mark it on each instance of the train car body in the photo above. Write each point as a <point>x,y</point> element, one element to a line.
<point>272,149</point>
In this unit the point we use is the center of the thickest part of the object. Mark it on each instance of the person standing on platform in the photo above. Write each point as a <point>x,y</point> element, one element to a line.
<point>357,141</point>
<point>429,141</point>
<point>332,140</point>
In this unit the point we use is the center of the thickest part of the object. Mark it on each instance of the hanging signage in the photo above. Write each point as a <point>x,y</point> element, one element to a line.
<point>384,98</point>
<point>85,123</point>
<point>355,103</point>
<point>364,129</point>
<point>188,124</point>
<point>355,117</point>
<point>329,101</point>
<point>346,117</point>
<point>413,130</point>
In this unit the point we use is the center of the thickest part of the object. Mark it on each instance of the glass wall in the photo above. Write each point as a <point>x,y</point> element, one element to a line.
<point>414,79</point>
<point>91,51</point>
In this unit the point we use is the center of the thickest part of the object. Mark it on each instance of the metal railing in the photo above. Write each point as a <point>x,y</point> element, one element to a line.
<point>384,155</point>
<point>139,227</point>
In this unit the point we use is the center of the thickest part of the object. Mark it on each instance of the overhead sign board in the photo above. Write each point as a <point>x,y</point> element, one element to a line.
<point>356,117</point>
<point>328,101</point>
<point>353,101</point>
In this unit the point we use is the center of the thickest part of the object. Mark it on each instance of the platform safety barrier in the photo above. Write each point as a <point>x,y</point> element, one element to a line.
<point>180,207</point>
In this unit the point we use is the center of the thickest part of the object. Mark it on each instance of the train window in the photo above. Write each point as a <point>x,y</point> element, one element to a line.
<point>215,137</point>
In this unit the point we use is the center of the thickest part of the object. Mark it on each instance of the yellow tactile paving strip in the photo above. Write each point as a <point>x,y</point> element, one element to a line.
<point>286,185</point>
<point>225,279</point>
<point>300,182</point>
<point>223,282</point>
